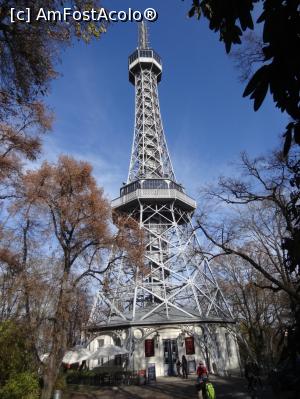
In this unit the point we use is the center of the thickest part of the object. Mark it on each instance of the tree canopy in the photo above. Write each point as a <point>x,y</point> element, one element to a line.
<point>29,53</point>
<point>58,241</point>
<point>249,219</point>
<point>280,69</point>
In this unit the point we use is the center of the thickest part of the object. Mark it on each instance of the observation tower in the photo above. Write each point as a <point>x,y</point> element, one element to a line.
<point>173,306</point>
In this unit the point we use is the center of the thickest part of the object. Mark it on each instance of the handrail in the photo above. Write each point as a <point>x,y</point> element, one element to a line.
<point>154,193</point>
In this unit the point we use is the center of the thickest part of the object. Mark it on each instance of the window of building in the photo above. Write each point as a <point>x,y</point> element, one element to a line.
<point>189,346</point>
<point>100,361</point>
<point>218,345</point>
<point>118,360</point>
<point>228,344</point>
<point>149,347</point>
<point>170,351</point>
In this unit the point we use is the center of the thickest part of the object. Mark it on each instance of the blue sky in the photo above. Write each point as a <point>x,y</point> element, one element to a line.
<point>207,122</point>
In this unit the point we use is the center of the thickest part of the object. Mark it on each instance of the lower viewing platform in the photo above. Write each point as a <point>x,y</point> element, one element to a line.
<point>155,195</point>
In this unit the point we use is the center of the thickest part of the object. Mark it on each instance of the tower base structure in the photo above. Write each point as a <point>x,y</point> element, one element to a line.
<point>153,350</point>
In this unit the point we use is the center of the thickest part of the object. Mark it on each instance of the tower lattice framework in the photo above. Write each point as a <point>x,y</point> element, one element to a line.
<point>176,284</point>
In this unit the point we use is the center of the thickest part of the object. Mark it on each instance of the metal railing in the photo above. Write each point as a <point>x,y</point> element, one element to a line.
<point>154,194</point>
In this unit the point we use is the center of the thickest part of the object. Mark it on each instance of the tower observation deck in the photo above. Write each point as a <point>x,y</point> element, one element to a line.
<point>177,284</point>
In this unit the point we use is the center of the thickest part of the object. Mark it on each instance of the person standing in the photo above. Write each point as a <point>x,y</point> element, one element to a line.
<point>202,377</point>
<point>178,366</point>
<point>249,375</point>
<point>184,367</point>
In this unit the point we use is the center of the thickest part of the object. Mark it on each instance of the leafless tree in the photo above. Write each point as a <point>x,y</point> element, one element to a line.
<point>248,56</point>
<point>260,313</point>
<point>250,220</point>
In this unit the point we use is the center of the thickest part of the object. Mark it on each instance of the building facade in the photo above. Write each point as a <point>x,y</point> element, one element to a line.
<point>173,305</point>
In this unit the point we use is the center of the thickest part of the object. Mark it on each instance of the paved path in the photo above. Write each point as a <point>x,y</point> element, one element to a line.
<point>166,388</point>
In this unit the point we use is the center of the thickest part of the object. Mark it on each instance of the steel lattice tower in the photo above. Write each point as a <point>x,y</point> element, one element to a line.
<point>177,284</point>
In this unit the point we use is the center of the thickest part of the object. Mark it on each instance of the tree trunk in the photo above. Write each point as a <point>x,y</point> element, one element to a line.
<point>49,379</point>
<point>59,342</point>
<point>52,367</point>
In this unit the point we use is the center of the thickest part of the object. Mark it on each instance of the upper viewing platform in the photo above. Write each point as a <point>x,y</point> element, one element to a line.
<point>144,58</point>
<point>148,53</point>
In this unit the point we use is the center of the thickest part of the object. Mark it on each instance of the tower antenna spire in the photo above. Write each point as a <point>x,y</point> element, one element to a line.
<point>143,36</point>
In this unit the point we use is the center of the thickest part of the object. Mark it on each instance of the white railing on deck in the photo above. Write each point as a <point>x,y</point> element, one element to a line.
<point>154,193</point>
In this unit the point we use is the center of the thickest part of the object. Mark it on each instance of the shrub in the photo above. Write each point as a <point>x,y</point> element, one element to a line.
<point>15,352</point>
<point>61,383</point>
<point>21,386</point>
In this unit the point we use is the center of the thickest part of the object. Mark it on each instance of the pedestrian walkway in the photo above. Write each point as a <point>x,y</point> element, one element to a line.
<point>166,388</point>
